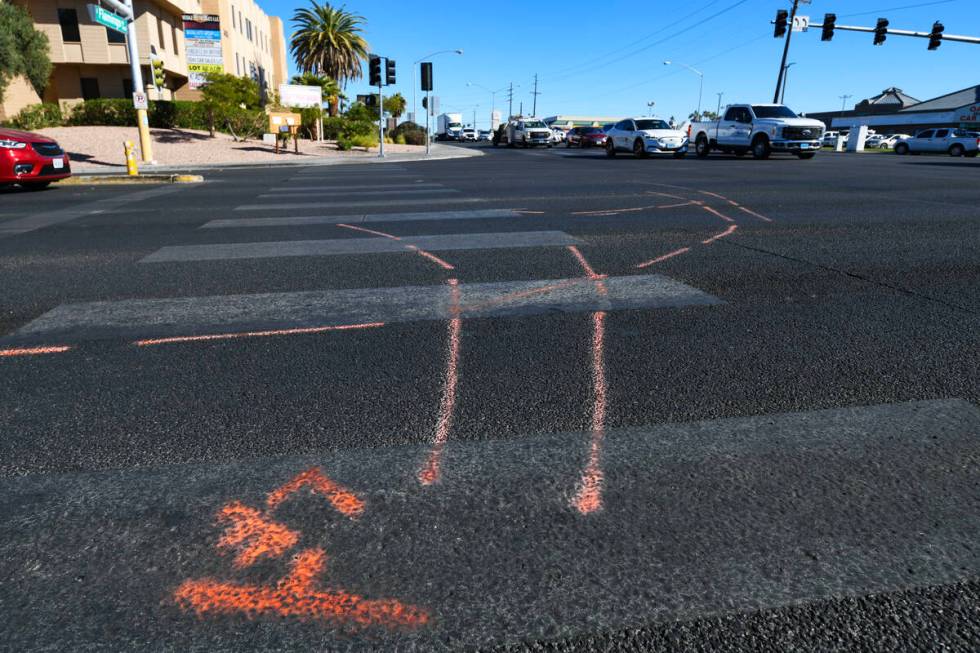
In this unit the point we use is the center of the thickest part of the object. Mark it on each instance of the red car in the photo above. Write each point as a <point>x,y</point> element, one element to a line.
<point>585,137</point>
<point>31,160</point>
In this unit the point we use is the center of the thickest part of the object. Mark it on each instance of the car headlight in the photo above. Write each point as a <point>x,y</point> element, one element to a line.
<point>12,145</point>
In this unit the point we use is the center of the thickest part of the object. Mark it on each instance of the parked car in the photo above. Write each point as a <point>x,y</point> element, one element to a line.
<point>955,142</point>
<point>585,137</point>
<point>558,135</point>
<point>830,139</point>
<point>484,135</point>
<point>889,142</point>
<point>646,136</point>
<point>760,129</point>
<point>468,134</point>
<point>31,161</point>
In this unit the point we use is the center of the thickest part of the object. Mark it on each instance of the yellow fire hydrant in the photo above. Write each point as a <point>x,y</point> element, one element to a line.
<point>130,150</point>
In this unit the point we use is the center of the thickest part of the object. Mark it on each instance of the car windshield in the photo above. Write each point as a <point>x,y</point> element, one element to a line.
<point>455,124</point>
<point>534,123</point>
<point>770,111</point>
<point>592,130</point>
<point>652,124</point>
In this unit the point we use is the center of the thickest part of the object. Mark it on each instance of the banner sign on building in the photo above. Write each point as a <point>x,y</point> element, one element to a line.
<point>202,39</point>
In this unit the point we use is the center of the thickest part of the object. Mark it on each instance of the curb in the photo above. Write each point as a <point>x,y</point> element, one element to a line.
<point>98,180</point>
<point>316,161</point>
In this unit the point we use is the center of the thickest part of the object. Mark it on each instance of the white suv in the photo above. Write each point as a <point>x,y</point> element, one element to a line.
<point>645,136</point>
<point>955,142</point>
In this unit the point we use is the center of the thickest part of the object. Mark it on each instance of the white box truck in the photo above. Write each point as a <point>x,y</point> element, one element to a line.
<point>449,126</point>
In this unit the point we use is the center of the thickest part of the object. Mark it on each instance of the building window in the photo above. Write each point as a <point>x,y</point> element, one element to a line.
<point>173,33</point>
<point>248,29</point>
<point>233,24</point>
<point>241,25</point>
<point>238,66</point>
<point>163,43</point>
<point>69,25</point>
<point>90,87</point>
<point>114,37</point>
<point>127,88</point>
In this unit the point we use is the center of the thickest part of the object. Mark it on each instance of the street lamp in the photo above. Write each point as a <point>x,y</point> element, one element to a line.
<point>416,63</point>
<point>843,101</point>
<point>696,72</point>
<point>782,100</point>
<point>718,110</point>
<point>650,107</point>
<point>493,95</point>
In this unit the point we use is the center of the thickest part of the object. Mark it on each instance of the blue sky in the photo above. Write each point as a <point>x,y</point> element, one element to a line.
<point>607,58</point>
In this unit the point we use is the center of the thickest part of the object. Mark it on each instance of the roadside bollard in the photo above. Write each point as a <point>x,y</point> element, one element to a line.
<point>130,149</point>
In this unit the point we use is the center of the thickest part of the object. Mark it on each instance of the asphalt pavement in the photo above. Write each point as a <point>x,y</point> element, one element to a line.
<point>535,400</point>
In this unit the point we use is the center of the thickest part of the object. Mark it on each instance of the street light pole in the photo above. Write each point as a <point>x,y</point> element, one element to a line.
<point>782,100</point>
<point>843,101</point>
<point>416,63</point>
<point>696,72</point>
<point>650,106</point>
<point>718,110</point>
<point>493,98</point>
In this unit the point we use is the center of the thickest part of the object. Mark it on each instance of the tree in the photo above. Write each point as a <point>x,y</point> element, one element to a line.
<point>23,49</point>
<point>395,105</point>
<point>704,115</point>
<point>228,99</point>
<point>328,41</point>
<point>331,89</point>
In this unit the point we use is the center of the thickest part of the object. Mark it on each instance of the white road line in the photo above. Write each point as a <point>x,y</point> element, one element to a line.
<point>234,223</point>
<point>149,318</point>
<point>348,246</point>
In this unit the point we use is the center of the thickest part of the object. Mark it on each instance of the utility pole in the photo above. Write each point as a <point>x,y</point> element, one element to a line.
<point>521,110</point>
<point>510,101</point>
<point>534,111</point>
<point>843,101</point>
<point>782,100</point>
<point>718,110</point>
<point>782,64</point>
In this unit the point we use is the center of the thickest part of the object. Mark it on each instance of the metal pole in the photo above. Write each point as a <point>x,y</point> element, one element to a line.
<point>415,110</point>
<point>843,101</point>
<point>510,102</point>
<point>718,110</point>
<point>142,121</point>
<point>700,90</point>
<point>381,120</point>
<point>428,108</point>
<point>782,64</point>
<point>534,111</point>
<point>782,100</point>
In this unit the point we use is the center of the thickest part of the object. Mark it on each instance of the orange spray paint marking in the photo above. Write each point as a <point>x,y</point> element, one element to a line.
<point>430,471</point>
<point>369,231</point>
<point>296,596</point>
<point>33,351</point>
<point>253,534</point>
<point>736,205</point>
<point>726,232</point>
<point>343,500</point>
<point>588,498</point>
<point>412,248</point>
<point>676,252</point>
<point>257,334</point>
<point>589,272</point>
<point>525,212</point>
<point>714,212</point>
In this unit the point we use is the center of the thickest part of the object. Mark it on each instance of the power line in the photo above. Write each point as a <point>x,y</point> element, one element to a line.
<point>881,11</point>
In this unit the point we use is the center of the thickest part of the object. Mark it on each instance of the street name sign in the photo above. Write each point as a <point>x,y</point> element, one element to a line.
<point>107,18</point>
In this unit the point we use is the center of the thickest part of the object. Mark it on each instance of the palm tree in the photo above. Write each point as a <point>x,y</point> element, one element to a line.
<point>331,89</point>
<point>395,105</point>
<point>328,41</point>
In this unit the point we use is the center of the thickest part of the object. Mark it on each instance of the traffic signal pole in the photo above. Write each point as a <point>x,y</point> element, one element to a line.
<point>142,120</point>
<point>905,32</point>
<point>782,64</point>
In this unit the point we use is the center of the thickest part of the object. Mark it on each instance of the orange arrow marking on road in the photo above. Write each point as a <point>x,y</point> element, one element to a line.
<point>296,596</point>
<point>257,535</point>
<point>344,501</point>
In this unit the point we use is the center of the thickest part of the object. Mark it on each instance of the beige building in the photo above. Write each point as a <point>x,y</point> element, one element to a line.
<point>252,42</point>
<point>92,61</point>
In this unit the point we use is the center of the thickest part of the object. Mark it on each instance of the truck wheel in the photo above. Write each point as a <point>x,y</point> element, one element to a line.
<point>760,148</point>
<point>957,150</point>
<point>902,149</point>
<point>639,151</point>
<point>807,155</point>
<point>701,146</point>
<point>610,148</point>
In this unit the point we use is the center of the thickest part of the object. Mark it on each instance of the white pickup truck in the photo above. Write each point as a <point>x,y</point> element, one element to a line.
<point>760,129</point>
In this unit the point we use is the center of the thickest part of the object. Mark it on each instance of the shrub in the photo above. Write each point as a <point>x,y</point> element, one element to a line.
<point>364,140</point>
<point>333,127</point>
<point>178,114</point>
<point>410,133</point>
<point>400,139</point>
<point>104,111</point>
<point>38,116</point>
<point>311,115</point>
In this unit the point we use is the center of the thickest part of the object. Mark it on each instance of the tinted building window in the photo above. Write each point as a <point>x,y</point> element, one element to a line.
<point>114,37</point>
<point>69,25</point>
<point>90,88</point>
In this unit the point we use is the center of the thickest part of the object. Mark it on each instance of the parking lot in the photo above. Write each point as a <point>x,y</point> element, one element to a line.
<point>537,399</point>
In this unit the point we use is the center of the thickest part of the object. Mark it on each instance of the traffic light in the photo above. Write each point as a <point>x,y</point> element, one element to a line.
<point>936,35</point>
<point>782,18</point>
<point>881,30</point>
<point>374,70</point>
<point>426,76</point>
<point>829,23</point>
<point>159,76</point>
<point>390,72</point>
